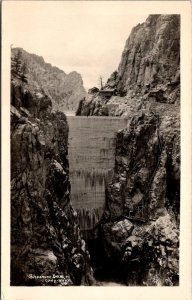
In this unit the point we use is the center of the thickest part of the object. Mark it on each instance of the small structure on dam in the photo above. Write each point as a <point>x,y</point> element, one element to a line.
<point>91,162</point>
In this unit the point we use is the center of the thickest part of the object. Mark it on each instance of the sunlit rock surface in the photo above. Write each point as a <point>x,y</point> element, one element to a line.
<point>91,159</point>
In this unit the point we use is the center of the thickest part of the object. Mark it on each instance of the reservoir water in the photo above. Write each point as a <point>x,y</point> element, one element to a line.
<point>91,162</point>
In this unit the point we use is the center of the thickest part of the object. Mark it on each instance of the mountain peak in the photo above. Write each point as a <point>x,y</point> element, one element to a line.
<point>65,90</point>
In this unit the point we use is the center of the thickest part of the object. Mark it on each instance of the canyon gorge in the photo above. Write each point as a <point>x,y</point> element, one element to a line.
<point>95,198</point>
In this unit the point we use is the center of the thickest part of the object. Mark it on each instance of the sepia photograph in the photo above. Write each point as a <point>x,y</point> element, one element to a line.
<point>95,145</point>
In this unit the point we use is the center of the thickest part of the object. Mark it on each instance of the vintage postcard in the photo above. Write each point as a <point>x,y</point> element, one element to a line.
<point>96,150</point>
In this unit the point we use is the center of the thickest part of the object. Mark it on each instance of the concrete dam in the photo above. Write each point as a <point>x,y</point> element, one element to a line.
<point>91,162</point>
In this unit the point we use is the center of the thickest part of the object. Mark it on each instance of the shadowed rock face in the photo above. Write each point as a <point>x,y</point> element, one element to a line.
<point>45,238</point>
<point>147,158</point>
<point>145,189</point>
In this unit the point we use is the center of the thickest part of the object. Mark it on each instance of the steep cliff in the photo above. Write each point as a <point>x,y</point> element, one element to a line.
<point>65,90</point>
<point>151,55</point>
<point>140,227</point>
<point>149,70</point>
<point>46,246</point>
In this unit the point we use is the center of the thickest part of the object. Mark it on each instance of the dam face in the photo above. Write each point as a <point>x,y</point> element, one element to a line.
<point>91,161</point>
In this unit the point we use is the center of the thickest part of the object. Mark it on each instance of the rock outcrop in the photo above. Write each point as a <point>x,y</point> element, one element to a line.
<point>146,254</point>
<point>46,245</point>
<point>140,228</point>
<point>65,90</point>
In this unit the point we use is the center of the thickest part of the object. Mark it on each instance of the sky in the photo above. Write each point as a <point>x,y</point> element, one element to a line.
<point>83,36</point>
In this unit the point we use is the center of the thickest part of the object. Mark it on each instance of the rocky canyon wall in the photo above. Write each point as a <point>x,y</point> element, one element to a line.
<point>141,232</point>
<point>46,246</point>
